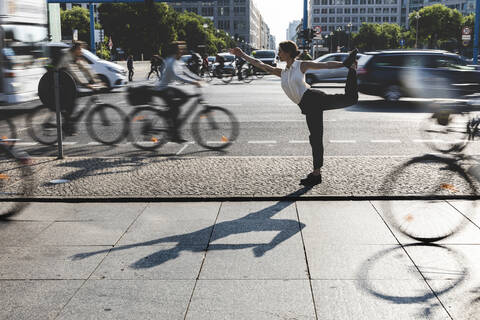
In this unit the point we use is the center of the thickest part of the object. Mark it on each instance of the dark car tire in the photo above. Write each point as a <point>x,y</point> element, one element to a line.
<point>392,93</point>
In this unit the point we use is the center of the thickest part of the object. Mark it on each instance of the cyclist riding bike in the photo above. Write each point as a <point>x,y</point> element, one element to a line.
<point>73,63</point>
<point>239,63</point>
<point>175,97</point>
<point>156,64</point>
<point>195,63</point>
<point>221,64</point>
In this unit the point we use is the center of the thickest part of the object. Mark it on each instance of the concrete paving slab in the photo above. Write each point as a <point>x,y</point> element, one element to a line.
<point>138,299</point>
<point>346,261</point>
<point>462,302</point>
<point>181,211</point>
<point>48,262</point>
<point>257,210</point>
<point>61,211</point>
<point>35,299</point>
<point>251,299</point>
<point>346,222</point>
<point>101,233</point>
<point>232,261</point>
<point>18,233</point>
<point>377,299</point>
<point>165,262</point>
<point>448,217</point>
<point>156,231</point>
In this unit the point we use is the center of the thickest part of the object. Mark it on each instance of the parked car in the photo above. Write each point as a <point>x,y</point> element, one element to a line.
<point>113,75</point>
<point>393,74</point>
<point>229,65</point>
<point>266,56</point>
<point>329,75</point>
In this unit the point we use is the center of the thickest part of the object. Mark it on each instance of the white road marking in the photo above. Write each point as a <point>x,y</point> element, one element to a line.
<point>298,141</point>
<point>385,141</point>
<point>343,141</point>
<point>69,143</point>
<point>183,148</point>
<point>264,142</point>
<point>93,143</point>
<point>26,143</point>
<point>427,140</point>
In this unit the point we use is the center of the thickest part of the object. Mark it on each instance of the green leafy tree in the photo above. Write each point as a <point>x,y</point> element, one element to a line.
<point>76,18</point>
<point>436,24</point>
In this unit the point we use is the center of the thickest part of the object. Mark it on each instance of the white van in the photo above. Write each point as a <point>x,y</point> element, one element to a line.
<point>113,75</point>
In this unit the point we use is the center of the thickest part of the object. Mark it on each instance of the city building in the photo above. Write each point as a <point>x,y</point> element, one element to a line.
<point>292,30</point>
<point>348,15</point>
<point>239,18</point>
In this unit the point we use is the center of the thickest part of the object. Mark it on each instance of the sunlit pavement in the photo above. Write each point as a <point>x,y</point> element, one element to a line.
<point>231,260</point>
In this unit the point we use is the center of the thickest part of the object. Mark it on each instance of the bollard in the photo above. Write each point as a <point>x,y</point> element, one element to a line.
<point>59,114</point>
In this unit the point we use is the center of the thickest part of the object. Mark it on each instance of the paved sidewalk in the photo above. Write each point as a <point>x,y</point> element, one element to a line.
<point>232,260</point>
<point>227,178</point>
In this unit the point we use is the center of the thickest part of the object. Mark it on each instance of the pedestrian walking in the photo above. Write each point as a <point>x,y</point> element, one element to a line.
<point>312,102</point>
<point>156,64</point>
<point>130,68</point>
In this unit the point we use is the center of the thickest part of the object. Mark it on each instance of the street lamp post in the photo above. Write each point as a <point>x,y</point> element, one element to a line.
<point>417,16</point>
<point>331,41</point>
<point>349,35</point>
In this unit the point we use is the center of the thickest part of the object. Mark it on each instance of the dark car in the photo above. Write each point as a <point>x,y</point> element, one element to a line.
<point>266,56</point>
<point>416,73</point>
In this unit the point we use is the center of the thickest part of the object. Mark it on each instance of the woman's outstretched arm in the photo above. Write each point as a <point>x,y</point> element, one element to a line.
<point>307,65</point>
<point>257,63</point>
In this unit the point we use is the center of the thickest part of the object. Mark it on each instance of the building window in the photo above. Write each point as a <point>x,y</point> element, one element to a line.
<point>223,2</point>
<point>324,2</point>
<point>331,19</point>
<point>331,10</point>
<point>386,10</point>
<point>378,19</point>
<point>354,19</point>
<point>363,1</point>
<point>346,19</point>
<point>362,19</point>
<point>316,20</point>
<point>239,11</point>
<point>378,1</point>
<point>370,10</point>
<point>393,10</point>
<point>385,19</point>
<point>221,11</point>
<point>331,2</point>
<point>316,11</point>
<point>324,10</point>
<point>339,19</point>
<point>194,10</point>
<point>316,2</point>
<point>363,10</point>
<point>354,10</point>
<point>324,19</point>
<point>339,10</point>
<point>347,10</point>
<point>378,10</point>
<point>354,28</point>
<point>370,1</point>
<point>370,19</point>
<point>238,26</point>
<point>330,28</point>
<point>348,2</point>
<point>207,11</point>
<point>393,19</point>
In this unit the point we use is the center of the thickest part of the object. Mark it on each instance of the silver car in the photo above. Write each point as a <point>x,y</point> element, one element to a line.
<point>329,75</point>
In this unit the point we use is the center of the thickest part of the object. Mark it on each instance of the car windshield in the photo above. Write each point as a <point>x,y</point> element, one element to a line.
<point>364,59</point>
<point>229,58</point>
<point>264,54</point>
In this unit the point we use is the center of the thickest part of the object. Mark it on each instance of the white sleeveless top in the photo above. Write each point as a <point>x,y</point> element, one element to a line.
<point>293,82</point>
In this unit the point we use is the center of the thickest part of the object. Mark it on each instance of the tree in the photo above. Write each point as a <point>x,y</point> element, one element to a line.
<point>76,18</point>
<point>437,24</point>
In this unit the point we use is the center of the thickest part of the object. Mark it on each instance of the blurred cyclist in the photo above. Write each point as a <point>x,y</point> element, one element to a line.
<point>84,76</point>
<point>239,63</point>
<point>221,64</point>
<point>175,97</point>
<point>156,64</point>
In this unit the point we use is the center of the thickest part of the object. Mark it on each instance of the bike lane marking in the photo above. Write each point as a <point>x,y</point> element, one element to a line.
<point>343,141</point>
<point>184,147</point>
<point>385,141</point>
<point>263,142</point>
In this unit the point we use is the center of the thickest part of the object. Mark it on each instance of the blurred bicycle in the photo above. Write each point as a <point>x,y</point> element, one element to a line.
<point>212,127</point>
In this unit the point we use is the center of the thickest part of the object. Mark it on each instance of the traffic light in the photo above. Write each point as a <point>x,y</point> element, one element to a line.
<point>301,34</point>
<point>312,34</point>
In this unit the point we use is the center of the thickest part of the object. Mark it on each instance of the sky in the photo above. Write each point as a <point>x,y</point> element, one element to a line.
<point>278,14</point>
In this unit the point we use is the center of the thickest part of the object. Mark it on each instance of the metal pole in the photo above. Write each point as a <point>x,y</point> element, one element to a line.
<point>475,36</point>
<point>92,29</point>
<point>305,21</point>
<point>416,33</point>
<point>59,114</point>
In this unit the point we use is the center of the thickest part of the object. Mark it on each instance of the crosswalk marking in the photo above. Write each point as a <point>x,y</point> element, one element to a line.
<point>343,141</point>
<point>385,141</point>
<point>298,141</point>
<point>263,142</point>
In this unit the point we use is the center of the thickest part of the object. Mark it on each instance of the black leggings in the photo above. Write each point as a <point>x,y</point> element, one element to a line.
<point>174,98</point>
<point>314,102</point>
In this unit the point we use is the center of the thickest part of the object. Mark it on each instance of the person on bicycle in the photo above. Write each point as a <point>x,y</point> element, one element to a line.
<point>239,63</point>
<point>312,102</point>
<point>175,97</point>
<point>195,62</point>
<point>83,75</point>
<point>156,63</point>
<point>221,64</point>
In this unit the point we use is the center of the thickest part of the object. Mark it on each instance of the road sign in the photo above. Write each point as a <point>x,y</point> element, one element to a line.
<point>465,43</point>
<point>466,30</point>
<point>466,37</point>
<point>402,42</point>
<point>318,29</point>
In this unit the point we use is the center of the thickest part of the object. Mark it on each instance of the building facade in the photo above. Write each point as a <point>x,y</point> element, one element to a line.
<point>239,18</point>
<point>292,30</point>
<point>348,15</point>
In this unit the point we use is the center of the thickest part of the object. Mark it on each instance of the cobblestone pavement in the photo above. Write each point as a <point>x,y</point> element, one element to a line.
<point>243,177</point>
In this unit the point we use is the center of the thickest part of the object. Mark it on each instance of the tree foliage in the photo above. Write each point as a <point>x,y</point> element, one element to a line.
<point>76,18</point>
<point>374,36</point>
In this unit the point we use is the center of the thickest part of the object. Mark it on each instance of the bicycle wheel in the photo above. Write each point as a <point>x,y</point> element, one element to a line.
<point>16,182</point>
<point>148,128</point>
<point>8,131</point>
<point>42,125</point>
<point>259,74</point>
<point>207,77</point>
<point>427,220</point>
<point>106,124</point>
<point>227,77</point>
<point>215,128</point>
<point>446,132</point>
<point>246,76</point>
